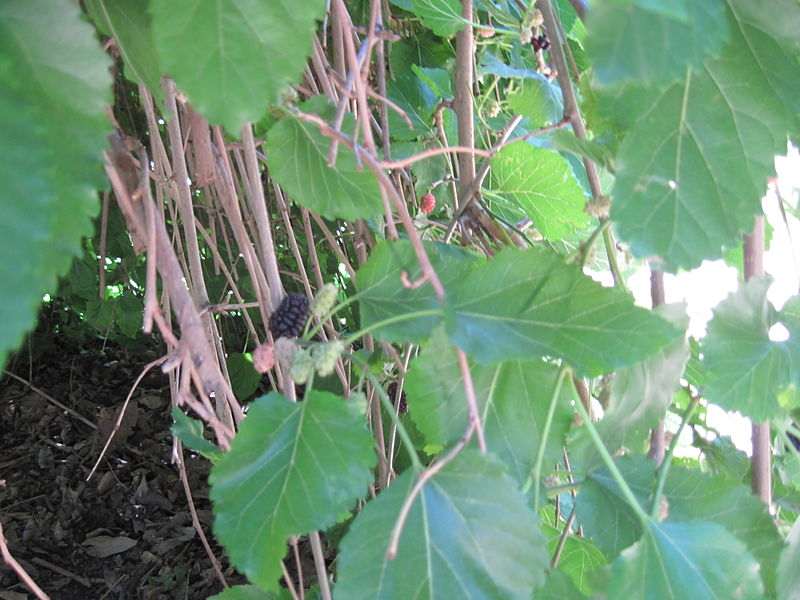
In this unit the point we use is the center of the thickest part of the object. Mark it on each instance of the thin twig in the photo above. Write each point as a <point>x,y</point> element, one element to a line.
<point>563,539</point>
<point>187,490</point>
<point>52,400</point>
<point>406,162</point>
<point>121,415</point>
<point>472,402</point>
<point>21,573</point>
<point>319,563</point>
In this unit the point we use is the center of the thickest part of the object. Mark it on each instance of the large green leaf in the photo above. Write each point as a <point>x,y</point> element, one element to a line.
<point>538,100</point>
<point>292,468</point>
<point>469,534</point>
<point>746,370</point>
<point>601,508</point>
<point>639,397</point>
<point>653,42</point>
<point>414,97</point>
<point>250,592</point>
<point>558,586</point>
<point>382,294</point>
<point>693,495</point>
<point>788,573</point>
<point>442,16</point>
<point>524,304</point>
<point>579,557</point>
<point>233,58</point>
<point>54,85</point>
<point>542,184</point>
<point>694,560</point>
<point>513,399</point>
<point>298,160</point>
<point>693,167</point>
<point>129,23</point>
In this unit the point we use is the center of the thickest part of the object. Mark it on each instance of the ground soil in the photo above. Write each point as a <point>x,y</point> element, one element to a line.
<point>127,532</point>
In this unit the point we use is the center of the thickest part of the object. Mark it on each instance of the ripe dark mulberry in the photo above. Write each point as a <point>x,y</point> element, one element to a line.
<point>540,42</point>
<point>289,318</point>
<point>391,391</point>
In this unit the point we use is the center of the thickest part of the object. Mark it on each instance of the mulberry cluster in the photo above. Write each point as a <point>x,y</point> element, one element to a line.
<point>402,407</point>
<point>540,42</point>
<point>289,318</point>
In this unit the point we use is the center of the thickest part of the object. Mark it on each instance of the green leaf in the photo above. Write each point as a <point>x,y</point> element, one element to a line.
<point>579,557</point>
<point>468,533</point>
<point>542,183</point>
<point>129,23</point>
<point>244,377</point>
<point>603,511</point>
<point>788,573</point>
<point>558,586</point>
<point>524,304</point>
<point>54,86</point>
<point>190,432</point>
<point>250,592</point>
<point>292,468</point>
<point>382,295</point>
<point>694,560</point>
<point>693,495</point>
<point>692,169</point>
<point>566,141</point>
<point>438,80</point>
<point>639,398</point>
<point>513,399</point>
<point>488,63</point>
<point>442,16</point>
<point>746,370</point>
<point>233,58</point>
<point>414,97</point>
<point>298,160</point>
<point>537,100</point>
<point>423,49</point>
<point>653,42</point>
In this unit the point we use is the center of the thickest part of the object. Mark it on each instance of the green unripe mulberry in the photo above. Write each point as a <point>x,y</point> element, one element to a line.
<point>302,366</point>
<point>324,300</point>
<point>326,355</point>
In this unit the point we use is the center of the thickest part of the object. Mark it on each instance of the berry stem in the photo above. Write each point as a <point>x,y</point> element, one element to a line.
<point>627,493</point>
<point>548,422</point>
<point>387,405</point>
<point>655,506</point>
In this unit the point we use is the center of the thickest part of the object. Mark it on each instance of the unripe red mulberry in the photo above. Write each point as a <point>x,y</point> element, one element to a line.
<point>264,357</point>
<point>427,203</point>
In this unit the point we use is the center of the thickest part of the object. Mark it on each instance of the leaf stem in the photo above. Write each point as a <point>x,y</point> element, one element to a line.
<point>585,248</point>
<point>611,252</point>
<point>664,468</point>
<point>396,319</point>
<point>611,465</point>
<point>387,404</point>
<point>548,422</point>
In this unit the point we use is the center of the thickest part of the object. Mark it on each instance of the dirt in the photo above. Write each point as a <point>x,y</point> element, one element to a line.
<point>125,533</point>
